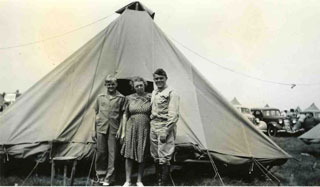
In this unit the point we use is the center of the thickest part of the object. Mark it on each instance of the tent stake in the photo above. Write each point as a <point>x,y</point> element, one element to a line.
<point>93,159</point>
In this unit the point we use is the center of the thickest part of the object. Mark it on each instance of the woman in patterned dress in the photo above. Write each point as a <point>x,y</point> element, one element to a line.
<point>135,129</point>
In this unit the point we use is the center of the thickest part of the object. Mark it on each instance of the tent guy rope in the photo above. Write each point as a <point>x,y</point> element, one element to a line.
<point>55,36</point>
<point>292,85</point>
<point>35,166</point>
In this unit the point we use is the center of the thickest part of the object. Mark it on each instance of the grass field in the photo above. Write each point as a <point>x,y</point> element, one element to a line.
<point>303,170</point>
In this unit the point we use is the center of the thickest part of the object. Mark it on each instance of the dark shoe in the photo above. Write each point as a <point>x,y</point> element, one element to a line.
<point>98,181</point>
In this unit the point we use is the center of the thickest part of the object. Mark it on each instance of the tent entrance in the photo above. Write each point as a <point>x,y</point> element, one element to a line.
<point>125,88</point>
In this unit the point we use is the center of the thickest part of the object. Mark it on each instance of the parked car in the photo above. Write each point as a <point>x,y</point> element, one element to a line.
<point>292,116</point>
<point>261,125</point>
<point>275,122</point>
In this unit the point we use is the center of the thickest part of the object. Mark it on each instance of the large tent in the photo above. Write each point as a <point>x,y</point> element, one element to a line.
<point>59,108</point>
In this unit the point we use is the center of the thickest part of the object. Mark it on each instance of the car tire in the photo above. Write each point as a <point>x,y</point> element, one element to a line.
<point>272,131</point>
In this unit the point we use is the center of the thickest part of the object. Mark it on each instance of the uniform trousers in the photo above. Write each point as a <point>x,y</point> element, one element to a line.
<point>107,149</point>
<point>162,152</point>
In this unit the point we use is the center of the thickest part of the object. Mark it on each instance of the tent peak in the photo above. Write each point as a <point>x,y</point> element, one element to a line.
<point>235,101</point>
<point>312,107</point>
<point>136,5</point>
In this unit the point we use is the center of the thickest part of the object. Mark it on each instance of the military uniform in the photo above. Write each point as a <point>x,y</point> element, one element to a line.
<point>164,116</point>
<point>109,109</point>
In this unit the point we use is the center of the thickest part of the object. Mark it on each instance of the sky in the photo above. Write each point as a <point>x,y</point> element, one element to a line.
<point>274,41</point>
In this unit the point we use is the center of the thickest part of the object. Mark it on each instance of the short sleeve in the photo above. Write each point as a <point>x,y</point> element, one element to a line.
<point>96,105</point>
<point>125,103</point>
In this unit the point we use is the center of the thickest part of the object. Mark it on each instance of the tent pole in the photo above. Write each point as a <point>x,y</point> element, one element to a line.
<point>35,166</point>
<point>137,6</point>
<point>266,172</point>
<point>93,159</point>
<point>214,168</point>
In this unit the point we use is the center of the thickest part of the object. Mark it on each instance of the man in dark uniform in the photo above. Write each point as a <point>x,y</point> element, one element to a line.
<point>109,108</point>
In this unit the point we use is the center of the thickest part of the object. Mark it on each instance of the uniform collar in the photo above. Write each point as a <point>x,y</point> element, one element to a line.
<point>166,90</point>
<point>117,94</point>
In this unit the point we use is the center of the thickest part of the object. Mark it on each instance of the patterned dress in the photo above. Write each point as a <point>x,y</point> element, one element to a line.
<point>136,142</point>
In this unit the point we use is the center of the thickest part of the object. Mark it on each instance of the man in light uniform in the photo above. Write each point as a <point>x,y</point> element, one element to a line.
<point>109,108</point>
<point>164,116</point>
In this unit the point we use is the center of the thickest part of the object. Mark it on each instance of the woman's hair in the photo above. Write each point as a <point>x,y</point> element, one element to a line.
<point>138,79</point>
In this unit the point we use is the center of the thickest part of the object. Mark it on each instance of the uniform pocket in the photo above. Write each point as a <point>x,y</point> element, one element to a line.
<point>114,114</point>
<point>104,114</point>
<point>163,99</point>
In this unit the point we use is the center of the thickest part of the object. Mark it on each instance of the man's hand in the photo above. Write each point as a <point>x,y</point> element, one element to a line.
<point>118,134</point>
<point>94,136</point>
<point>122,138</point>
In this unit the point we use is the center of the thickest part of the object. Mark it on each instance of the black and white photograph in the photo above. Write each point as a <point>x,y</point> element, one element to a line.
<point>159,93</point>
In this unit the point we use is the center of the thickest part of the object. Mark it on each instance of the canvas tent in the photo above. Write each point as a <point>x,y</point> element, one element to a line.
<point>298,109</point>
<point>59,108</point>
<point>312,107</point>
<point>235,101</point>
<point>266,106</point>
<point>312,136</point>
<point>314,110</point>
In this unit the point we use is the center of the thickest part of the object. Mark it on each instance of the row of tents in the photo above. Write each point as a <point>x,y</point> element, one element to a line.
<point>59,107</point>
<point>312,108</point>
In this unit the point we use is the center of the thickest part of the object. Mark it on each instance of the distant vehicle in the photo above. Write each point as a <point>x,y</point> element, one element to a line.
<point>261,125</point>
<point>292,116</point>
<point>275,122</point>
<point>10,98</point>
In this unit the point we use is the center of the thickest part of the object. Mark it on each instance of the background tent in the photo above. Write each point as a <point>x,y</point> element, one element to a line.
<point>312,136</point>
<point>298,109</point>
<point>312,107</point>
<point>235,101</point>
<point>58,108</point>
<point>266,105</point>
